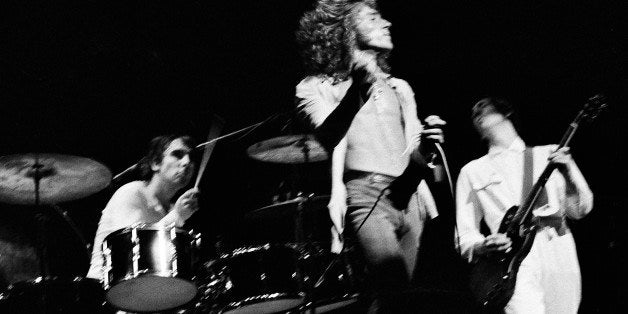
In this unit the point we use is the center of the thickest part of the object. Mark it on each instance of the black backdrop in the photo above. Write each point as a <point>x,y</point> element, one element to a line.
<point>100,78</point>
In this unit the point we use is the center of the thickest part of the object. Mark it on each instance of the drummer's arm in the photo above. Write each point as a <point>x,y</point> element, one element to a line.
<point>184,207</point>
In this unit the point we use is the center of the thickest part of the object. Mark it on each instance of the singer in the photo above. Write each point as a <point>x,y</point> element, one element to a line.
<point>166,169</point>
<point>368,120</point>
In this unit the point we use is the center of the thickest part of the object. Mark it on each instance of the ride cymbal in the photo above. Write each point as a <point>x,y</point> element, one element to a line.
<point>289,149</point>
<point>61,178</point>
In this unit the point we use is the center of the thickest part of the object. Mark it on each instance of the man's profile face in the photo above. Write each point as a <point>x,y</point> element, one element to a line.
<point>486,122</point>
<point>176,166</point>
<point>372,31</point>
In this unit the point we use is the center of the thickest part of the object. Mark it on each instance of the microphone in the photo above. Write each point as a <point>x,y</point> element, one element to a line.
<point>433,160</point>
<point>437,168</point>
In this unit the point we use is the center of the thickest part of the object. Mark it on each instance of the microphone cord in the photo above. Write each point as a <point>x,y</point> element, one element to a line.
<point>441,152</point>
<point>443,156</point>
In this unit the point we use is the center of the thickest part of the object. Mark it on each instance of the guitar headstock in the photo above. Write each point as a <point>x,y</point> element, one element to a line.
<point>594,106</point>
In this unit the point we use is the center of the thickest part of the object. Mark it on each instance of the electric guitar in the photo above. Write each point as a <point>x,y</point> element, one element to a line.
<point>493,277</point>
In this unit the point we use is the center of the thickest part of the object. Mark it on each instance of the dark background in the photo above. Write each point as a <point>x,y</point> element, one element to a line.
<point>100,78</point>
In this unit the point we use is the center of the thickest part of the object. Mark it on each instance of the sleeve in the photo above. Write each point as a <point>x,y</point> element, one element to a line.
<point>468,216</point>
<point>330,108</point>
<point>105,227</point>
<point>577,198</point>
<point>116,215</point>
<point>312,102</point>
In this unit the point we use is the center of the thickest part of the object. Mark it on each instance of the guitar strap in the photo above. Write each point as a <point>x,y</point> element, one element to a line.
<point>528,178</point>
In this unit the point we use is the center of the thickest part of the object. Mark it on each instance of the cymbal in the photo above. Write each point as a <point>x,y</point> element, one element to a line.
<point>289,149</point>
<point>300,220</point>
<point>288,207</point>
<point>63,178</point>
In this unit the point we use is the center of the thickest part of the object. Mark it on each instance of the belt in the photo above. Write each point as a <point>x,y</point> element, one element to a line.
<point>367,175</point>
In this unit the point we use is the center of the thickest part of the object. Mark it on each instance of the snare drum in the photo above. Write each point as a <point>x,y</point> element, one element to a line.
<point>149,268</point>
<point>257,279</point>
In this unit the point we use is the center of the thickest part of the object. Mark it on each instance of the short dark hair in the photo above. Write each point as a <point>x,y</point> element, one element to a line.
<point>156,149</point>
<point>491,104</point>
<point>496,104</point>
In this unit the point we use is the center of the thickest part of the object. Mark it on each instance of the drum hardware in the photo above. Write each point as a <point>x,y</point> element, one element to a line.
<point>329,281</point>
<point>256,279</point>
<point>57,178</point>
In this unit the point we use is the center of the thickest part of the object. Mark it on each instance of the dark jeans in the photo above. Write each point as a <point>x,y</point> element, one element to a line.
<point>389,238</point>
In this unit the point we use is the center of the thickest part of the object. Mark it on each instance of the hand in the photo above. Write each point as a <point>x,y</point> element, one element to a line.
<point>187,204</point>
<point>337,209</point>
<point>432,133</point>
<point>364,67</point>
<point>433,129</point>
<point>497,242</point>
<point>561,159</point>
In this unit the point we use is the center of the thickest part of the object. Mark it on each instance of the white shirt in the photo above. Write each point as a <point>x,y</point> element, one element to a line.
<point>548,280</point>
<point>129,205</point>
<point>487,187</point>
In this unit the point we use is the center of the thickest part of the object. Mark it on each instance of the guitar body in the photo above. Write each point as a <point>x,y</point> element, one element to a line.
<point>493,278</point>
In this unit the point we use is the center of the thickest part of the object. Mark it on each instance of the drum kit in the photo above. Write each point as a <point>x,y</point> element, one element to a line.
<point>150,269</point>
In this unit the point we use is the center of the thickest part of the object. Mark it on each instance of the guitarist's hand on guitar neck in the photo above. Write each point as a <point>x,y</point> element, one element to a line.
<point>561,159</point>
<point>497,242</point>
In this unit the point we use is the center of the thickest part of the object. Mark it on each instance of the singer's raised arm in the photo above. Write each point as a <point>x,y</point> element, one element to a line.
<point>330,106</point>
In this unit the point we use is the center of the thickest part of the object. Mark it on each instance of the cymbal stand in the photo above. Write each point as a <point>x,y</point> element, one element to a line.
<point>301,239</point>
<point>309,306</point>
<point>37,173</point>
<point>64,215</point>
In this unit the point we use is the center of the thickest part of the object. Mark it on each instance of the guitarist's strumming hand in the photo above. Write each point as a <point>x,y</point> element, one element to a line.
<point>497,242</point>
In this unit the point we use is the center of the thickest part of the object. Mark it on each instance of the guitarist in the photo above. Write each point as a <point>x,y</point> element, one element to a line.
<point>548,280</point>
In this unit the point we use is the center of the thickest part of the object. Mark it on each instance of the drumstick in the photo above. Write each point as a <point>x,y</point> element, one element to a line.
<point>217,124</point>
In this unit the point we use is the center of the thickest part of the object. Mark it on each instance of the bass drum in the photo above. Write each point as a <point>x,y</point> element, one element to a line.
<point>254,279</point>
<point>149,268</point>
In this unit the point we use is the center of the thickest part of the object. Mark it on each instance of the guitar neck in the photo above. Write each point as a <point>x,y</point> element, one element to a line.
<point>524,214</point>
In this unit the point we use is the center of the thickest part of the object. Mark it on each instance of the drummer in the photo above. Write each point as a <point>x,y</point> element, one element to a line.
<point>166,169</point>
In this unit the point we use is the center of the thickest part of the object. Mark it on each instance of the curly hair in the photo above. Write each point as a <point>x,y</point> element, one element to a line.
<point>327,38</point>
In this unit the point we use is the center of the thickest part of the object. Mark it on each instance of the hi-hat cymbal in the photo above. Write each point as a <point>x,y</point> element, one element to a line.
<point>62,178</point>
<point>289,149</point>
<point>315,203</point>
<point>299,220</point>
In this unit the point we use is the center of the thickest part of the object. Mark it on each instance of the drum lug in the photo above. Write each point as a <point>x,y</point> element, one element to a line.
<point>106,251</point>
<point>173,251</point>
<point>136,252</point>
